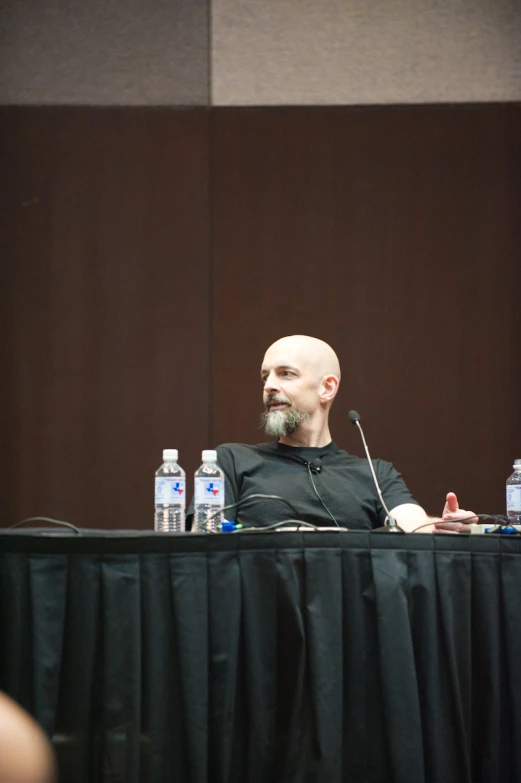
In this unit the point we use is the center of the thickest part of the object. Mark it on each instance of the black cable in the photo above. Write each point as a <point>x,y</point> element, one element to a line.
<point>275,525</point>
<point>46,519</point>
<point>501,520</point>
<point>296,458</point>
<point>240,502</point>
<point>318,496</point>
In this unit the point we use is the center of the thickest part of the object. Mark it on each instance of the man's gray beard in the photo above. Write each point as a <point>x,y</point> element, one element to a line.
<point>279,424</point>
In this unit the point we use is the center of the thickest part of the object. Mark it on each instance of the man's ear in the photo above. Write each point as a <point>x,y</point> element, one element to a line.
<point>329,387</point>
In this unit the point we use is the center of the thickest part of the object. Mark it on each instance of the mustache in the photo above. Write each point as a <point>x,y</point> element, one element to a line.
<point>274,398</point>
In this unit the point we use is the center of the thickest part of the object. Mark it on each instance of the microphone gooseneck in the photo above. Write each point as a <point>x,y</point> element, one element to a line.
<point>390,525</point>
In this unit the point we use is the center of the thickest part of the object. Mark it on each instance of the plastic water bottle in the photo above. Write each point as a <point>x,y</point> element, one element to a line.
<point>170,496</point>
<point>208,495</point>
<point>514,494</point>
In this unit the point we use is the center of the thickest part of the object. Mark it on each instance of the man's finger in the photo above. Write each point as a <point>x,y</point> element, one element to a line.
<point>451,504</point>
<point>453,527</point>
<point>445,530</point>
<point>461,516</point>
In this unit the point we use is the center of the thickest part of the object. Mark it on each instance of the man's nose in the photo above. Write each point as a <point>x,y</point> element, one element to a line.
<point>271,384</point>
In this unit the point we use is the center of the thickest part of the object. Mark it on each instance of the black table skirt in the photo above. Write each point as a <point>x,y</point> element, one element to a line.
<point>273,658</point>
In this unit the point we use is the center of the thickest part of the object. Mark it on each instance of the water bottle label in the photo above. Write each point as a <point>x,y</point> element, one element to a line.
<point>170,490</point>
<point>209,490</point>
<point>514,498</point>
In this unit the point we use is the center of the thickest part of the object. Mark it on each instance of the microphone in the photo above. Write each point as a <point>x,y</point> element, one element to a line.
<point>315,465</point>
<point>390,525</point>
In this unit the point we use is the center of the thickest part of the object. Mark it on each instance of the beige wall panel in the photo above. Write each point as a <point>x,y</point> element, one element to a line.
<point>104,52</point>
<point>365,51</point>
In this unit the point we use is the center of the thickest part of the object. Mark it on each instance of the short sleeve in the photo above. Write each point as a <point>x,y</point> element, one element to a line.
<point>394,489</point>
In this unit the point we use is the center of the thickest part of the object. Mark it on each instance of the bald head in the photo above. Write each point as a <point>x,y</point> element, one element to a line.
<point>300,377</point>
<point>317,356</point>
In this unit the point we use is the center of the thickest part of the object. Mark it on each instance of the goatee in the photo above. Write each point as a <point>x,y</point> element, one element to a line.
<point>279,424</point>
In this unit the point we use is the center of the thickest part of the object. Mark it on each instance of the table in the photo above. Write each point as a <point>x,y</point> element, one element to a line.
<point>322,657</point>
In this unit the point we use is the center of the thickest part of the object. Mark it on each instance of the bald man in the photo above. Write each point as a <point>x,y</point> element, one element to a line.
<point>25,753</point>
<point>326,485</point>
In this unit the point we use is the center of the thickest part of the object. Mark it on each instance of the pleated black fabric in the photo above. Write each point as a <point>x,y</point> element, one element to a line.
<point>267,658</point>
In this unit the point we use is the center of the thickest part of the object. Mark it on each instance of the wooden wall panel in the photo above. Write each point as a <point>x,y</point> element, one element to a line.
<point>104,308</point>
<point>392,233</point>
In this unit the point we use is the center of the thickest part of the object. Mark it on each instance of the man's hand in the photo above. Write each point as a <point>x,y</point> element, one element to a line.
<point>455,519</point>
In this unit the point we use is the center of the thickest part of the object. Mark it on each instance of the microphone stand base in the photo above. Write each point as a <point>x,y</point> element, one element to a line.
<point>394,528</point>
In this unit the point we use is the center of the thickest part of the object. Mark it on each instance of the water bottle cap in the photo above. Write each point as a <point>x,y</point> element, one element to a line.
<point>170,455</point>
<point>209,455</point>
<point>517,464</point>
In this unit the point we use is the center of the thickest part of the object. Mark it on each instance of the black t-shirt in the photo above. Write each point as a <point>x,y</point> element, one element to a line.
<point>344,484</point>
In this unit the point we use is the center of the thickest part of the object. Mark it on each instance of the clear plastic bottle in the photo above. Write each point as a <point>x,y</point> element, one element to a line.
<point>514,494</point>
<point>170,495</point>
<point>208,495</point>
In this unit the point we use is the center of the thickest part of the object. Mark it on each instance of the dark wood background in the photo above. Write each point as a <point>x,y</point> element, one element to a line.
<point>149,256</point>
